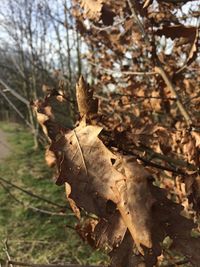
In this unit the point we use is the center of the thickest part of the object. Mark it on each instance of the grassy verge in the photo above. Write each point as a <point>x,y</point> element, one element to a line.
<point>33,236</point>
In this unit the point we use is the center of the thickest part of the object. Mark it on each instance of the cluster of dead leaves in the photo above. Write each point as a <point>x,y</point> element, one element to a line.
<point>98,159</point>
<point>133,215</point>
<point>146,101</point>
<point>102,10</point>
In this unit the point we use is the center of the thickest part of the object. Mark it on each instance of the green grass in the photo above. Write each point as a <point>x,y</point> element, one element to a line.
<point>33,236</point>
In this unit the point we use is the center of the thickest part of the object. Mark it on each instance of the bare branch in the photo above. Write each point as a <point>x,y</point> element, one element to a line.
<point>31,194</point>
<point>14,93</point>
<point>15,108</point>
<point>163,74</point>
<point>109,71</point>
<point>111,26</point>
<point>16,263</point>
<point>30,206</point>
<point>5,249</point>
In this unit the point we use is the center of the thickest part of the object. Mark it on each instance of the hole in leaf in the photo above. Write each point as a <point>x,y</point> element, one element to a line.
<point>113,161</point>
<point>110,207</point>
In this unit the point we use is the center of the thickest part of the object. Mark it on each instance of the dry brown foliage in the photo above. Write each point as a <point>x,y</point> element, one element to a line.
<point>133,157</point>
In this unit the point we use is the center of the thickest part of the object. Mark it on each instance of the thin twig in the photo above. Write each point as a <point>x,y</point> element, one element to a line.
<point>45,211</point>
<point>16,109</point>
<point>31,194</point>
<point>32,207</point>
<point>172,161</point>
<point>176,164</point>
<point>35,241</point>
<point>8,191</point>
<point>177,1</point>
<point>132,8</point>
<point>155,165</point>
<point>5,249</point>
<point>145,97</point>
<point>178,263</point>
<point>16,263</point>
<point>111,26</point>
<point>14,93</point>
<point>163,74</point>
<point>123,72</point>
<point>43,199</point>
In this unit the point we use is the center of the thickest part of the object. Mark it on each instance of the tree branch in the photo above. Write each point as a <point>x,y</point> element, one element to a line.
<point>123,72</point>
<point>14,93</point>
<point>5,249</point>
<point>31,194</point>
<point>30,206</point>
<point>16,263</point>
<point>163,74</point>
<point>15,108</point>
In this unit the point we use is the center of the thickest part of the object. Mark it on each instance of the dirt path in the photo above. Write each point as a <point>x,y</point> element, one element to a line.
<point>4,146</point>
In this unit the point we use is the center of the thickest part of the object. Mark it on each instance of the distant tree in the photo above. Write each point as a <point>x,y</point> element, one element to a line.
<point>39,47</point>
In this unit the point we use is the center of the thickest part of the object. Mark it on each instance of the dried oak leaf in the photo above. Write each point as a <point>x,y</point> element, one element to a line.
<point>135,199</point>
<point>177,31</point>
<point>117,189</point>
<point>54,108</point>
<point>110,232</point>
<point>124,256</point>
<point>166,217</point>
<point>192,55</point>
<point>147,3</point>
<point>85,229</point>
<point>167,221</point>
<point>190,35</point>
<point>87,105</point>
<point>97,176</point>
<point>72,204</point>
<point>192,183</point>
<point>196,136</point>
<point>50,158</point>
<point>92,8</point>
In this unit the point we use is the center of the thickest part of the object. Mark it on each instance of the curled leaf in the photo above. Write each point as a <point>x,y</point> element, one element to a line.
<point>92,8</point>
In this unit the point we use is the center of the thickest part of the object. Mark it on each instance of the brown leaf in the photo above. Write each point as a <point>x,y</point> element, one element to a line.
<point>88,167</point>
<point>87,105</point>
<point>189,148</point>
<point>92,8</point>
<point>110,232</point>
<point>196,136</point>
<point>192,183</point>
<point>193,51</point>
<point>135,201</point>
<point>133,214</point>
<point>167,221</point>
<point>177,31</point>
<point>54,108</point>
<point>72,204</point>
<point>86,230</point>
<point>194,47</point>
<point>50,158</point>
<point>147,3</point>
<point>123,256</point>
<point>167,216</point>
